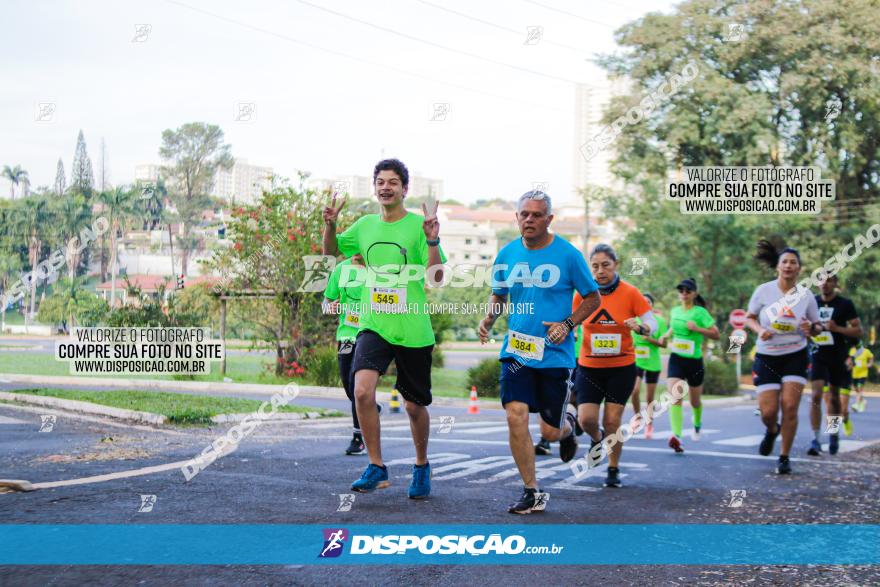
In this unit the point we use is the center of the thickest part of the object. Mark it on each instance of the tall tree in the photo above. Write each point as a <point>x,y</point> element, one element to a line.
<point>72,213</point>
<point>192,153</point>
<point>775,95</point>
<point>32,220</point>
<point>81,177</point>
<point>60,179</point>
<point>120,205</point>
<point>16,175</point>
<point>10,269</point>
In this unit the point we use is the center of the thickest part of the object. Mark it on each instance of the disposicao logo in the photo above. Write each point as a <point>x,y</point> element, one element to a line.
<point>334,540</point>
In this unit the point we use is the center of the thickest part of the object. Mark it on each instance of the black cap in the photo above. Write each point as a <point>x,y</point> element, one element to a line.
<point>687,284</point>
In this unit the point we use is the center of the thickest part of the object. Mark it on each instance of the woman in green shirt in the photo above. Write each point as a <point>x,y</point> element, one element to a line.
<point>648,365</point>
<point>689,323</point>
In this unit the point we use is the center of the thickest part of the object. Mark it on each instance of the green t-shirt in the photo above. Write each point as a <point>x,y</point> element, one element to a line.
<point>349,296</point>
<point>641,346</point>
<point>392,308</point>
<point>687,343</point>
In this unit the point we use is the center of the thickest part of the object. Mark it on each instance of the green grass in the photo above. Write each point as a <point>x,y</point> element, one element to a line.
<point>178,408</point>
<point>240,368</point>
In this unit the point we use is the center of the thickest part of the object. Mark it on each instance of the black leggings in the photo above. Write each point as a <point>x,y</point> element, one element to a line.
<point>345,356</point>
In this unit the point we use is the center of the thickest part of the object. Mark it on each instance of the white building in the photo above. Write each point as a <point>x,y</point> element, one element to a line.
<point>361,186</point>
<point>242,183</point>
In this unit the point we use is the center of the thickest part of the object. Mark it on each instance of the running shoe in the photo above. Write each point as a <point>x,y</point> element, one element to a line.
<point>863,405</point>
<point>420,486</point>
<point>527,503</point>
<point>696,433</point>
<point>675,444</point>
<point>373,477</point>
<point>568,446</point>
<point>649,430</point>
<point>613,477</point>
<point>543,447</point>
<point>847,427</point>
<point>815,448</point>
<point>783,467</point>
<point>356,447</point>
<point>833,443</point>
<point>769,440</point>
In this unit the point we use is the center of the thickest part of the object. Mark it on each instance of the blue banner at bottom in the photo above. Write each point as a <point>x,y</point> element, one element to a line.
<point>211,544</point>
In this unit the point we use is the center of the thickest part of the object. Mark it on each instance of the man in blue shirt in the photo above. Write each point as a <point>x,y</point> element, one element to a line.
<point>540,272</point>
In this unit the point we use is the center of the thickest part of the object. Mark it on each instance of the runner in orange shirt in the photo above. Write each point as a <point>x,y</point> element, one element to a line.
<point>606,368</point>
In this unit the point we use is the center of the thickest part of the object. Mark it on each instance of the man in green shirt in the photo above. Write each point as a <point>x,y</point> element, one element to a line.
<point>342,296</point>
<point>397,247</point>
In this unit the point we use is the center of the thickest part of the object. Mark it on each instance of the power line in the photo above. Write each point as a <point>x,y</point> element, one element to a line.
<point>572,14</point>
<point>501,27</point>
<point>361,59</point>
<point>437,45</point>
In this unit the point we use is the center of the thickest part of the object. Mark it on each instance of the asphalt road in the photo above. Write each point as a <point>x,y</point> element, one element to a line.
<point>293,473</point>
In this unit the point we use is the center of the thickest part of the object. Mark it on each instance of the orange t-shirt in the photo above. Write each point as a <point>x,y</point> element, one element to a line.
<point>606,341</point>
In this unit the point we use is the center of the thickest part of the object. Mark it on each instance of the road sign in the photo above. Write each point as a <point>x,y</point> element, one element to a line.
<point>737,318</point>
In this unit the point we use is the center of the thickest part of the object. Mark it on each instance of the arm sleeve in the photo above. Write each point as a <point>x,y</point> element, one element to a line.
<point>706,319</point>
<point>580,274</point>
<point>348,241</point>
<point>499,278</point>
<point>755,305</point>
<point>331,292</point>
<point>648,320</point>
<point>812,313</point>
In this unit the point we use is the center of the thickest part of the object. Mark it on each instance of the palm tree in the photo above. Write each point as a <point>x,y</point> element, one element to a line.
<point>120,206</point>
<point>10,268</point>
<point>72,212</point>
<point>69,299</point>
<point>15,175</point>
<point>32,221</point>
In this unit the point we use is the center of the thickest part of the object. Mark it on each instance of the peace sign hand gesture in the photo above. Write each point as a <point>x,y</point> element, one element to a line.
<point>331,212</point>
<point>430,225</point>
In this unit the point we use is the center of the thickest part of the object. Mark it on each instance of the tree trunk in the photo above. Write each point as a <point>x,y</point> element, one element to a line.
<point>113,267</point>
<point>103,256</point>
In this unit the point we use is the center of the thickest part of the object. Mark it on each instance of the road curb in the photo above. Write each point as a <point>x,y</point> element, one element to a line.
<point>85,408</point>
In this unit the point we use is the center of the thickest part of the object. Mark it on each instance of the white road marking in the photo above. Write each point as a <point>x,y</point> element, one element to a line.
<point>440,457</point>
<point>112,476</point>
<point>750,440</point>
<point>573,484</point>
<point>463,469</point>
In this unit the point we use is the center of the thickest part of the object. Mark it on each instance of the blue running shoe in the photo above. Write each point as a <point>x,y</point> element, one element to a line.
<point>815,448</point>
<point>374,477</point>
<point>420,487</point>
<point>833,443</point>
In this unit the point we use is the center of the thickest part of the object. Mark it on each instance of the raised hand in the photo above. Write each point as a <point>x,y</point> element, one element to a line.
<point>431,226</point>
<point>331,212</point>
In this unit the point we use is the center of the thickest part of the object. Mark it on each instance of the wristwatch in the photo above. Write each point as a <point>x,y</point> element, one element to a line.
<point>433,243</point>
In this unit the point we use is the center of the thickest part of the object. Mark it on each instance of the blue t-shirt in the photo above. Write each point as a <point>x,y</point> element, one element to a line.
<point>540,285</point>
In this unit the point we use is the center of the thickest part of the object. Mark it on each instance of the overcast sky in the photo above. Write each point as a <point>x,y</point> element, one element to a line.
<point>331,94</point>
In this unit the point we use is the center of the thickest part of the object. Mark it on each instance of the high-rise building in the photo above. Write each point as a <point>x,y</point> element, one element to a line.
<point>242,183</point>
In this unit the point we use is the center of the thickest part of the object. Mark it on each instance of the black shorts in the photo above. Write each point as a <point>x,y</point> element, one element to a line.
<point>648,376</point>
<point>413,365</point>
<point>832,370</point>
<point>614,385</point>
<point>771,371</point>
<point>691,370</point>
<point>859,380</point>
<point>345,357</point>
<point>545,391</point>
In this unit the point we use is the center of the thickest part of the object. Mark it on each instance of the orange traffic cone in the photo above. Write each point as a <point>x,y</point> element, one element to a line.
<point>473,408</point>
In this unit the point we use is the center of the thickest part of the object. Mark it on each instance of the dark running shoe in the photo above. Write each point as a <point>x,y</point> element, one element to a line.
<point>529,502</point>
<point>356,447</point>
<point>833,443</point>
<point>769,440</point>
<point>568,446</point>
<point>613,477</point>
<point>815,448</point>
<point>675,444</point>
<point>783,467</point>
<point>543,447</point>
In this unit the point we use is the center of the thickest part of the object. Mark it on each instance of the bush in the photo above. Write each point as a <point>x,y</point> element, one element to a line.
<point>720,378</point>
<point>485,377</point>
<point>437,359</point>
<point>322,368</point>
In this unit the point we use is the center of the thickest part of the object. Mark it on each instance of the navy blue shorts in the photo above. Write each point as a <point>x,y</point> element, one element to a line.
<point>546,391</point>
<point>648,376</point>
<point>832,370</point>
